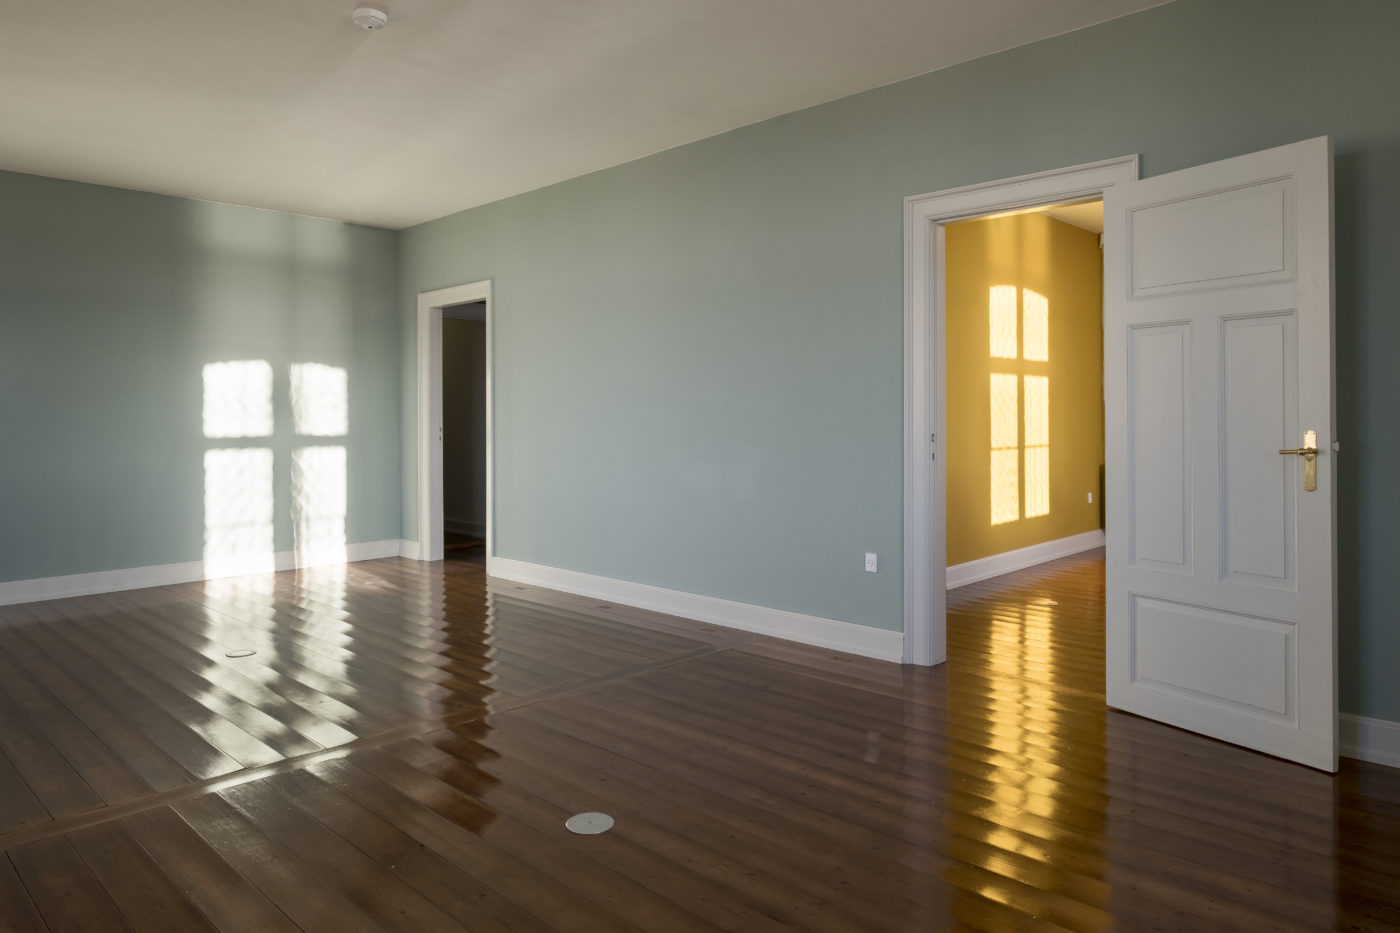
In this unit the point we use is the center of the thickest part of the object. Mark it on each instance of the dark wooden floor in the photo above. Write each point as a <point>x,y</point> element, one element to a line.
<point>402,750</point>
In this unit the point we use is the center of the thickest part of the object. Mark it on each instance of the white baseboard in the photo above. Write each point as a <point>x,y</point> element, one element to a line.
<point>1376,740</point>
<point>135,578</point>
<point>458,527</point>
<point>409,549</point>
<point>870,642</point>
<point>975,571</point>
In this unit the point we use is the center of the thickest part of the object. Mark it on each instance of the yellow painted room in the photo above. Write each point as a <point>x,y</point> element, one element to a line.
<point>1024,367</point>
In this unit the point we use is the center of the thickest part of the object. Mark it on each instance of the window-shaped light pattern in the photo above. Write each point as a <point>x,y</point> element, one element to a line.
<point>320,400</point>
<point>238,399</point>
<point>238,511</point>
<point>1002,322</point>
<point>1019,324</point>
<point>1006,453</point>
<point>318,502</point>
<point>1035,326</point>
<point>239,499</point>
<point>1037,424</point>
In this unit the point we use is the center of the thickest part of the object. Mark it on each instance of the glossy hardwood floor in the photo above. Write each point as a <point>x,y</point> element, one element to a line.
<point>403,746</point>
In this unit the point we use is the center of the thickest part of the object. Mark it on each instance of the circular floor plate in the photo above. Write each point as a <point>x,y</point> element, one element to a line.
<point>241,653</point>
<point>589,824</point>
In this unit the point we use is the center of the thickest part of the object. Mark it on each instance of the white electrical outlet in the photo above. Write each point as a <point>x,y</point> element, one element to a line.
<point>870,563</point>
<point>1091,498</point>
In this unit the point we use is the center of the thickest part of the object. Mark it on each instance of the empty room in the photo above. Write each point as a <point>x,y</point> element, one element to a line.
<point>615,465</point>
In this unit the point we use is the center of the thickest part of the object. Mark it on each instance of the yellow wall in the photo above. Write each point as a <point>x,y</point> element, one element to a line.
<point>991,265</point>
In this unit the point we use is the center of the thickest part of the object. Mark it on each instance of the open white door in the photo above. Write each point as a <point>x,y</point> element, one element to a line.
<point>1221,594</point>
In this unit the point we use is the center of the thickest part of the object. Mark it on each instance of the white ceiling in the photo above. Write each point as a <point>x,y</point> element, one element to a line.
<point>1086,214</point>
<point>285,104</point>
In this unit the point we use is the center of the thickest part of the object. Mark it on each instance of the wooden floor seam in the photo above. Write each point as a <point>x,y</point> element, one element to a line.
<point>63,826</point>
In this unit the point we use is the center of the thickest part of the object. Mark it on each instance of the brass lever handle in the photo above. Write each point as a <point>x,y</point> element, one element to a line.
<point>1309,454</point>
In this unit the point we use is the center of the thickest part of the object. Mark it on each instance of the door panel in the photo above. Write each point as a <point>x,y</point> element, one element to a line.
<point>1218,354</point>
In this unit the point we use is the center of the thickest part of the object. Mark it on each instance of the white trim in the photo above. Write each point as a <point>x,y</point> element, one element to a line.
<point>135,578</point>
<point>975,571</point>
<point>1376,740</point>
<point>429,434</point>
<point>869,642</point>
<point>408,549</point>
<point>925,554</point>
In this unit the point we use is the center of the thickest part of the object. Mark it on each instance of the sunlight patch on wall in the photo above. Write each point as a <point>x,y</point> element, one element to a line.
<point>238,511</point>
<point>319,504</point>
<point>1002,322</point>
<point>320,400</point>
<point>1006,453</point>
<point>1037,423</point>
<point>1035,326</point>
<point>238,399</point>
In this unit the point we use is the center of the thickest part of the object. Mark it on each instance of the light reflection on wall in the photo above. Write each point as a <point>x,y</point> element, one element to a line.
<point>238,496</point>
<point>1006,450</point>
<point>1002,322</point>
<point>238,399</point>
<point>320,400</point>
<point>1037,428</point>
<point>318,502</point>
<point>1020,428</point>
<point>238,511</point>
<point>239,481</point>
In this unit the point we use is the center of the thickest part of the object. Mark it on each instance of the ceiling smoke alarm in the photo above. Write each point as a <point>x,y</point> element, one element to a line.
<point>368,17</point>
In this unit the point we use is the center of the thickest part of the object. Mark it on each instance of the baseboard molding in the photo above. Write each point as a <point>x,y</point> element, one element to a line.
<point>135,578</point>
<point>1375,740</point>
<point>863,640</point>
<point>409,549</point>
<point>975,571</point>
<point>455,527</point>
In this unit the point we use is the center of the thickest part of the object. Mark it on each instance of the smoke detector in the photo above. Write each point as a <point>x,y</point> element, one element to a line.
<point>369,17</point>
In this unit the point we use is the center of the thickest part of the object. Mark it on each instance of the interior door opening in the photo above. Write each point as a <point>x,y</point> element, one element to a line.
<point>1024,385</point>
<point>464,430</point>
<point>1218,380</point>
<point>472,301</point>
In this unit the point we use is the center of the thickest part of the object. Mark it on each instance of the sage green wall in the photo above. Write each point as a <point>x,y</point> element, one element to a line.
<point>698,355</point>
<point>111,302</point>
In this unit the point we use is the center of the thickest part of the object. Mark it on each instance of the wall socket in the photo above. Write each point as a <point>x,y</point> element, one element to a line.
<point>1091,498</point>
<point>869,563</point>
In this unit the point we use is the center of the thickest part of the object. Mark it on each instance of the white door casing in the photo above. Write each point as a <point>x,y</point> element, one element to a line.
<point>428,441</point>
<point>925,313</point>
<point>1221,592</point>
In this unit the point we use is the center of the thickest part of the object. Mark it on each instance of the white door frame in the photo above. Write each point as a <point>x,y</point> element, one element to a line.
<point>430,313</point>
<point>925,291</point>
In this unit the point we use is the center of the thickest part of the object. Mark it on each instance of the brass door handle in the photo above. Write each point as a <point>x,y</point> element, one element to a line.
<point>1309,454</point>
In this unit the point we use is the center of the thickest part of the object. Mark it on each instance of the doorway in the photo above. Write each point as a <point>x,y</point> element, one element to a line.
<point>464,430</point>
<point>472,301</point>
<point>1025,404</point>
<point>925,342</point>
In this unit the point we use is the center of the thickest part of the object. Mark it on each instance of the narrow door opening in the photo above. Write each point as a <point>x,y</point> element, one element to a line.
<point>464,431</point>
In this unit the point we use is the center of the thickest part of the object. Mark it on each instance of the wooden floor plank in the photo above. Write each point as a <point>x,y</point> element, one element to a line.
<point>64,889</point>
<point>17,911</point>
